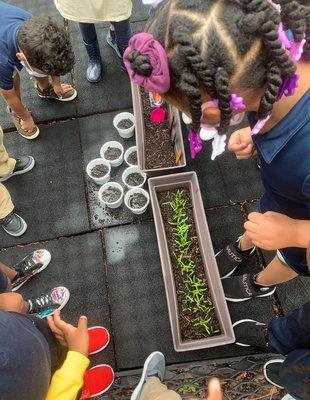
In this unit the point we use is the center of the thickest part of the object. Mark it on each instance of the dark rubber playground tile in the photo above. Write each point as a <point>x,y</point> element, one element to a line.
<point>77,263</point>
<point>37,8</point>
<point>138,302</point>
<point>51,197</point>
<point>95,131</point>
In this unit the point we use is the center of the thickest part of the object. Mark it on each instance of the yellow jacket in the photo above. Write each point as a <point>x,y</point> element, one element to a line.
<point>68,380</point>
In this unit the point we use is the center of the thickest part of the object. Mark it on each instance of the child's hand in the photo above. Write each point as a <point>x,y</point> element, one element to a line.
<point>270,231</point>
<point>214,389</point>
<point>76,339</point>
<point>241,143</point>
<point>62,88</point>
<point>12,302</point>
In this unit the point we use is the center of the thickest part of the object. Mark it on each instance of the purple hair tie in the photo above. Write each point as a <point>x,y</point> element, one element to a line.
<point>288,86</point>
<point>195,143</point>
<point>236,102</point>
<point>146,44</point>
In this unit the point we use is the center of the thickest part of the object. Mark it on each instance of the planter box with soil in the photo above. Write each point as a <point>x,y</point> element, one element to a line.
<point>198,312</point>
<point>160,146</point>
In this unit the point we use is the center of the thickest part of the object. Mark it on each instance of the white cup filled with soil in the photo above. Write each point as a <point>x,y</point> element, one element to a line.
<point>133,177</point>
<point>111,194</point>
<point>131,156</point>
<point>124,122</point>
<point>113,152</point>
<point>99,170</point>
<point>137,200</point>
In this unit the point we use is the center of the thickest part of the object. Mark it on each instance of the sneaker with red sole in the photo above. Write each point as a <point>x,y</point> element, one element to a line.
<point>99,338</point>
<point>97,380</point>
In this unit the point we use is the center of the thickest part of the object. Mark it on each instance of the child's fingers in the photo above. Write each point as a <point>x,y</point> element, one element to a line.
<point>214,389</point>
<point>236,146</point>
<point>52,326</point>
<point>82,324</point>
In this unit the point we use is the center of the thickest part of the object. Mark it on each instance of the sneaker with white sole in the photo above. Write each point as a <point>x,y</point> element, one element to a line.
<point>13,224</point>
<point>229,258</point>
<point>46,304</point>
<point>243,287</point>
<point>23,165</point>
<point>154,365</point>
<point>30,266</point>
<point>251,333</point>
<point>272,370</point>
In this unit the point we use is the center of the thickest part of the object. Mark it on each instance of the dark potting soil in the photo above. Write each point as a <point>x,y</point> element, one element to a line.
<point>112,153</point>
<point>125,124</point>
<point>134,179</point>
<point>132,158</point>
<point>186,315</point>
<point>137,200</point>
<point>159,149</point>
<point>99,171</point>
<point>111,194</point>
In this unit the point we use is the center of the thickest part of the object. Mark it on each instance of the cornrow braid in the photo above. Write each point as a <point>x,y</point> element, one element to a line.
<point>270,34</point>
<point>273,85</point>
<point>223,95</point>
<point>193,57</point>
<point>189,85</point>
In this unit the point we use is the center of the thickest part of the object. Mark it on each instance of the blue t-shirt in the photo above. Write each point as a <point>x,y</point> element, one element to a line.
<point>11,18</point>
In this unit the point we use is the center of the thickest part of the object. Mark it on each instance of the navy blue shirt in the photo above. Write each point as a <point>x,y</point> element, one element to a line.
<point>284,153</point>
<point>11,18</point>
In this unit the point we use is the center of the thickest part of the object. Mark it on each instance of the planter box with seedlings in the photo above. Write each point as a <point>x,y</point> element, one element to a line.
<point>197,307</point>
<point>160,146</point>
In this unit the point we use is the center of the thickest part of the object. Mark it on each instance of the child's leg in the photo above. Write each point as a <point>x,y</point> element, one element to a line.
<point>155,390</point>
<point>276,272</point>
<point>13,302</point>
<point>7,164</point>
<point>16,84</point>
<point>88,32</point>
<point>43,83</point>
<point>123,34</point>
<point>9,272</point>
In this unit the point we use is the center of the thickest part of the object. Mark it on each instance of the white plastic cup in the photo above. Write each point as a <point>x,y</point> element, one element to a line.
<point>124,133</point>
<point>116,203</point>
<point>127,154</point>
<point>132,170</point>
<point>92,164</point>
<point>118,161</point>
<point>132,192</point>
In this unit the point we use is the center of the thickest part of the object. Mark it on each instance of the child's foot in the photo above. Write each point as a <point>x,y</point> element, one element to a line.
<point>231,257</point>
<point>49,93</point>
<point>111,40</point>
<point>243,288</point>
<point>27,134</point>
<point>99,338</point>
<point>14,224</point>
<point>154,366</point>
<point>94,67</point>
<point>250,333</point>
<point>97,380</point>
<point>272,370</point>
<point>46,304</point>
<point>23,165</point>
<point>29,266</point>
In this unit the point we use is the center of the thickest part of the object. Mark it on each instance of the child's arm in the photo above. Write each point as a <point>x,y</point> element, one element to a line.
<point>272,231</point>
<point>68,380</point>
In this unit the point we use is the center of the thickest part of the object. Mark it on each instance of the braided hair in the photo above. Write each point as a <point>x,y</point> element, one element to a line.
<point>212,43</point>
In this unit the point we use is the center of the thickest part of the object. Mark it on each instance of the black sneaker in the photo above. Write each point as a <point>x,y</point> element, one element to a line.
<point>29,266</point>
<point>23,165</point>
<point>272,370</point>
<point>13,224</point>
<point>111,40</point>
<point>243,287</point>
<point>46,304</point>
<point>230,258</point>
<point>251,333</point>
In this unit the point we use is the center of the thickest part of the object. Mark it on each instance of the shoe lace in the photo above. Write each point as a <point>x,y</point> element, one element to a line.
<point>6,220</point>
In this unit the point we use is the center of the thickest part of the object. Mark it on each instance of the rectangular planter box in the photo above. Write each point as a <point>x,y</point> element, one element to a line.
<point>189,180</point>
<point>176,135</point>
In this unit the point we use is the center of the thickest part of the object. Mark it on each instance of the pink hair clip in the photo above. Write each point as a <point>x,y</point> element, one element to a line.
<point>146,44</point>
<point>236,102</point>
<point>285,41</point>
<point>297,49</point>
<point>195,143</point>
<point>260,124</point>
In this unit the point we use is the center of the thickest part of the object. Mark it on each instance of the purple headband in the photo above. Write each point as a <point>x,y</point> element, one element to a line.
<point>159,81</point>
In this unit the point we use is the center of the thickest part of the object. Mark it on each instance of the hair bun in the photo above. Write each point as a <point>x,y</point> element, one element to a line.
<point>140,63</point>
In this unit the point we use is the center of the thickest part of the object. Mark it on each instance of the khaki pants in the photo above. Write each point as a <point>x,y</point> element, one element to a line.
<point>7,165</point>
<point>155,390</point>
